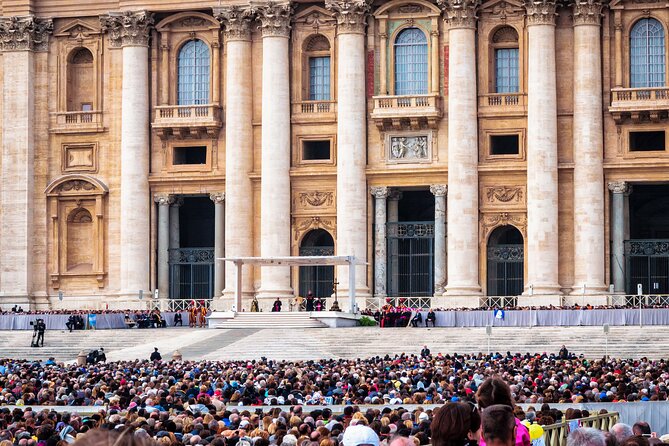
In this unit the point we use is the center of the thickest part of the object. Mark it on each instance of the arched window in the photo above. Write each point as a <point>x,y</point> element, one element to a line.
<point>317,50</point>
<point>411,62</point>
<point>193,75</point>
<point>647,56</point>
<point>80,81</point>
<point>505,47</point>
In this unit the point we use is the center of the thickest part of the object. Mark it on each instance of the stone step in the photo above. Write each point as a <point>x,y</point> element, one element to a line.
<point>280,320</point>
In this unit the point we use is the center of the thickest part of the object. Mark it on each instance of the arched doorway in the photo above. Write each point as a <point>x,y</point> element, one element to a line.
<point>317,279</point>
<point>505,258</point>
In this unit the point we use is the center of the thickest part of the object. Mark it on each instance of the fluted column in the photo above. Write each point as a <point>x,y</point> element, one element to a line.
<point>380,193</point>
<point>274,20</point>
<point>618,190</point>
<point>542,172</point>
<point>463,215</point>
<point>238,142</point>
<point>351,139</point>
<point>589,243</point>
<point>130,31</point>
<point>163,201</point>
<point>175,239</point>
<point>219,242</point>
<point>439,191</point>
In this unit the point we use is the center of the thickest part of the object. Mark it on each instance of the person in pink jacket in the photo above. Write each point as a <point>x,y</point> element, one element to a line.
<point>495,391</point>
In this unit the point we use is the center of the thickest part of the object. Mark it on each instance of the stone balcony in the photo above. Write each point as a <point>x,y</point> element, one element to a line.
<point>187,121</point>
<point>314,111</point>
<point>639,104</point>
<point>414,112</point>
<point>76,122</point>
<point>502,104</point>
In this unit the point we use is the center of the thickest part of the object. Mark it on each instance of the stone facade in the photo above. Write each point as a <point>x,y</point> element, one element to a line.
<point>97,146</point>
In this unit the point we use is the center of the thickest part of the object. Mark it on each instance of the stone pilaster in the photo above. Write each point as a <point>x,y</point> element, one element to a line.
<point>380,193</point>
<point>588,134</point>
<point>175,241</point>
<point>237,22</point>
<point>163,201</point>
<point>20,38</point>
<point>394,197</point>
<point>463,187</point>
<point>618,190</point>
<point>351,139</point>
<point>274,20</point>
<point>542,172</point>
<point>130,30</point>
<point>219,242</point>
<point>439,191</point>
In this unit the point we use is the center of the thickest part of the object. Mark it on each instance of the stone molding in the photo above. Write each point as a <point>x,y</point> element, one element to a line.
<point>274,17</point>
<point>494,220</point>
<point>379,192</point>
<point>316,198</point>
<point>540,12</point>
<point>24,33</point>
<point>439,190</point>
<point>236,21</point>
<point>504,194</point>
<point>128,28</point>
<point>217,197</point>
<point>619,187</point>
<point>163,199</point>
<point>460,13</point>
<point>351,15</point>
<point>302,225</point>
<point>587,12</point>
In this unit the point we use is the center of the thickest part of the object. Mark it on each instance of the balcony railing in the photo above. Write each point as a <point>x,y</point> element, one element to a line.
<point>503,103</point>
<point>187,119</point>
<point>77,122</point>
<point>314,111</point>
<point>415,110</point>
<point>639,103</point>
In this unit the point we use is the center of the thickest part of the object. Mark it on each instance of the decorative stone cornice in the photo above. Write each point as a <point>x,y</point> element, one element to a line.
<point>351,15</point>
<point>619,187</point>
<point>163,199</point>
<point>540,12</point>
<point>459,13</point>
<point>439,190</point>
<point>379,192</point>
<point>217,197</point>
<point>128,28</point>
<point>25,33</point>
<point>587,12</point>
<point>236,21</point>
<point>274,17</point>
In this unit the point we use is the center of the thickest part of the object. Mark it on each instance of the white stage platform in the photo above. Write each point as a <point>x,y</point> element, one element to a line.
<point>288,319</point>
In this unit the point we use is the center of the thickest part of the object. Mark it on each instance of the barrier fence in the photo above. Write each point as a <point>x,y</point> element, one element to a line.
<point>556,434</point>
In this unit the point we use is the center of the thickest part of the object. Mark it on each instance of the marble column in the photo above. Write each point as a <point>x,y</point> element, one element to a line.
<point>394,197</point>
<point>380,193</point>
<point>164,201</point>
<point>239,143</point>
<point>439,191</point>
<point>274,20</point>
<point>463,184</point>
<point>618,191</point>
<point>20,38</point>
<point>542,171</point>
<point>219,242</point>
<point>175,236</point>
<point>588,136</point>
<point>352,238</point>
<point>130,30</point>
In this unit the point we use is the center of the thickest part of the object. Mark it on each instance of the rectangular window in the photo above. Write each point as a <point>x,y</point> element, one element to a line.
<point>504,144</point>
<point>316,150</point>
<point>647,141</point>
<point>190,155</point>
<point>86,106</point>
<point>319,78</point>
<point>506,70</point>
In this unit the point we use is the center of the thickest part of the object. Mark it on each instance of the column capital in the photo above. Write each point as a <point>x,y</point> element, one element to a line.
<point>587,12</point>
<point>217,197</point>
<point>274,17</point>
<point>177,201</point>
<point>236,21</point>
<point>439,190</point>
<point>351,15</point>
<point>394,194</point>
<point>163,199</point>
<point>24,33</point>
<point>619,187</point>
<point>379,192</point>
<point>127,28</point>
<point>540,12</point>
<point>459,13</point>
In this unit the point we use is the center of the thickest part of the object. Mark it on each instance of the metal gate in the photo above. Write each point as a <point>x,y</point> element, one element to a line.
<point>191,273</point>
<point>317,279</point>
<point>410,258</point>
<point>505,269</point>
<point>647,263</point>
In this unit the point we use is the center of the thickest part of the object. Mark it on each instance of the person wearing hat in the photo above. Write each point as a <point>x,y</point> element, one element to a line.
<point>360,435</point>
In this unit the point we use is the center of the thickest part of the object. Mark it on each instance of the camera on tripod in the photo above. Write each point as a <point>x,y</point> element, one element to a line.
<point>39,327</point>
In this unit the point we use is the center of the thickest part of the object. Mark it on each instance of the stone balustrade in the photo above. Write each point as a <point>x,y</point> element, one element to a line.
<point>77,122</point>
<point>177,119</point>
<point>639,103</point>
<point>415,110</point>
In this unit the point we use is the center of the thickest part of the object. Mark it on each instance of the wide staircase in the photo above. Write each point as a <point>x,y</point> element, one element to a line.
<point>297,319</point>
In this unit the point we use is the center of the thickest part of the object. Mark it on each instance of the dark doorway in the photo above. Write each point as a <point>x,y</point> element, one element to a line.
<point>505,262</point>
<point>317,279</point>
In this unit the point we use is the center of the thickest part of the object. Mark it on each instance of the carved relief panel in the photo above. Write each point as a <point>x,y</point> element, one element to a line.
<point>313,208</point>
<point>503,196</point>
<point>413,147</point>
